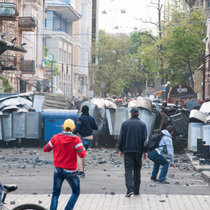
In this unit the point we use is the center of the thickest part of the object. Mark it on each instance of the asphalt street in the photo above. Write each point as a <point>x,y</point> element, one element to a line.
<point>32,170</point>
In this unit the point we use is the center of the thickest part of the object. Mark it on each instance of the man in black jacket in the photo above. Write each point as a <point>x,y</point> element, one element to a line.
<point>85,126</point>
<point>133,134</point>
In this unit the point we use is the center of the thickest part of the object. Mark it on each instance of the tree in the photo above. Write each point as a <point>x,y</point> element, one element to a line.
<point>125,62</point>
<point>159,24</point>
<point>113,57</point>
<point>182,41</point>
<point>146,63</point>
<point>48,65</point>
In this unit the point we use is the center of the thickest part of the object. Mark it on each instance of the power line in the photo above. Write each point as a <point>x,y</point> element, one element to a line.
<point>90,34</point>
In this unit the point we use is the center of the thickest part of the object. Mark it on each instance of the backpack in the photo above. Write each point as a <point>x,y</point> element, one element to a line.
<point>154,141</point>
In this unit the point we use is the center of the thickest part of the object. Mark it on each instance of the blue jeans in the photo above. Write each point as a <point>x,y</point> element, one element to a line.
<point>86,143</point>
<point>71,177</point>
<point>158,160</point>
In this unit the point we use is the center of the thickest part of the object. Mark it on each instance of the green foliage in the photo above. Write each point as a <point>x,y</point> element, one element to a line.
<point>124,62</point>
<point>56,67</point>
<point>112,58</point>
<point>45,51</point>
<point>183,45</point>
<point>127,61</point>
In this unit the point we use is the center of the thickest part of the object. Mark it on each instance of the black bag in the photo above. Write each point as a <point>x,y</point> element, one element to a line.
<point>154,141</point>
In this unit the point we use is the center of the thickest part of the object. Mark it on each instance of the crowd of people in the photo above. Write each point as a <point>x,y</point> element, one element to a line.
<point>182,101</point>
<point>70,147</point>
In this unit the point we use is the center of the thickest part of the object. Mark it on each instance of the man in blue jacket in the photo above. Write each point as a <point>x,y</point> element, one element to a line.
<point>158,157</point>
<point>85,126</point>
<point>133,134</point>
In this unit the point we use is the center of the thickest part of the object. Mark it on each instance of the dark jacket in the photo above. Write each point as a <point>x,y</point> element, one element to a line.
<point>133,134</point>
<point>85,125</point>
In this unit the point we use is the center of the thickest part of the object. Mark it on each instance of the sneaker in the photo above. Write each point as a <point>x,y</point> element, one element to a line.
<point>164,182</point>
<point>129,194</point>
<point>153,179</point>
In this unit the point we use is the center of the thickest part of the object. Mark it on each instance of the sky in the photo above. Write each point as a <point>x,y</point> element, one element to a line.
<point>115,21</point>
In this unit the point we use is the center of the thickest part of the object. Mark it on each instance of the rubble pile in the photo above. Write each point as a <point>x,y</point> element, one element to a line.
<point>24,111</point>
<point>18,160</point>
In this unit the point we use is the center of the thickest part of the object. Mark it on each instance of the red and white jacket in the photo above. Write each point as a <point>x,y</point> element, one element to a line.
<point>65,149</point>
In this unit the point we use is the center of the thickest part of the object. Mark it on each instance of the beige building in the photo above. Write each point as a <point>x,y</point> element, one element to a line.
<point>66,28</point>
<point>82,31</point>
<point>32,13</point>
<point>21,23</point>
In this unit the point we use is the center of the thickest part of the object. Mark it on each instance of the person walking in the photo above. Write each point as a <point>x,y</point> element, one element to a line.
<point>158,157</point>
<point>132,136</point>
<point>65,148</point>
<point>84,127</point>
<point>1,190</point>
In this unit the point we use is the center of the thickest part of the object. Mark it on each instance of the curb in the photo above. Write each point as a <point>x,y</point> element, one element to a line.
<point>203,169</point>
<point>206,176</point>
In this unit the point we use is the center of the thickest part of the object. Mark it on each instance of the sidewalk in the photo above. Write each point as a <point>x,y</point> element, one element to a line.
<point>118,201</point>
<point>204,169</point>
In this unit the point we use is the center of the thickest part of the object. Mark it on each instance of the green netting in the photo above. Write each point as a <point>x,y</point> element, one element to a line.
<point>5,85</point>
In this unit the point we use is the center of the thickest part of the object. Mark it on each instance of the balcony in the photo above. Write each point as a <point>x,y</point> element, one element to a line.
<point>63,8</point>
<point>8,62</point>
<point>8,10</point>
<point>27,66</point>
<point>27,24</point>
<point>58,34</point>
<point>33,2</point>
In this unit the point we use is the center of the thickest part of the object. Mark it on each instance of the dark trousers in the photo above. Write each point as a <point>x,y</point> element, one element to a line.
<point>132,163</point>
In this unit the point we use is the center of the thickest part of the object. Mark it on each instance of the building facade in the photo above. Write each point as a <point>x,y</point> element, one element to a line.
<point>34,31</point>
<point>21,26</point>
<point>60,15</point>
<point>82,56</point>
<point>68,30</point>
<point>31,26</point>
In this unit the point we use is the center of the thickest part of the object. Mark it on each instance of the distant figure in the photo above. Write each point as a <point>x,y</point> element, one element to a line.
<point>1,190</point>
<point>85,126</point>
<point>158,157</point>
<point>133,134</point>
<point>65,148</point>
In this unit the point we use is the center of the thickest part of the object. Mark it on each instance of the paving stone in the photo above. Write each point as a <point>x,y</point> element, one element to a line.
<point>12,202</point>
<point>162,201</point>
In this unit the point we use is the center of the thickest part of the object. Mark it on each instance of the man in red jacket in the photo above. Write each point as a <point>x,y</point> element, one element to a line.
<point>65,148</point>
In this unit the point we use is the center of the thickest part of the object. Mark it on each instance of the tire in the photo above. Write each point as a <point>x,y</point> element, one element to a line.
<point>29,207</point>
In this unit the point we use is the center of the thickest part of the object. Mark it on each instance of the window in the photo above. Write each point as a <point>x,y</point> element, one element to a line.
<point>49,20</point>
<point>208,4</point>
<point>61,55</point>
<point>69,58</point>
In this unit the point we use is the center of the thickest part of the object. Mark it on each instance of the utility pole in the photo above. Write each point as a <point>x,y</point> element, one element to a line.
<point>204,73</point>
<point>52,76</point>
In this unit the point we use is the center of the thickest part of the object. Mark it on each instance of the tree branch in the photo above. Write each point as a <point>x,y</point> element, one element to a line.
<point>149,35</point>
<point>144,21</point>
